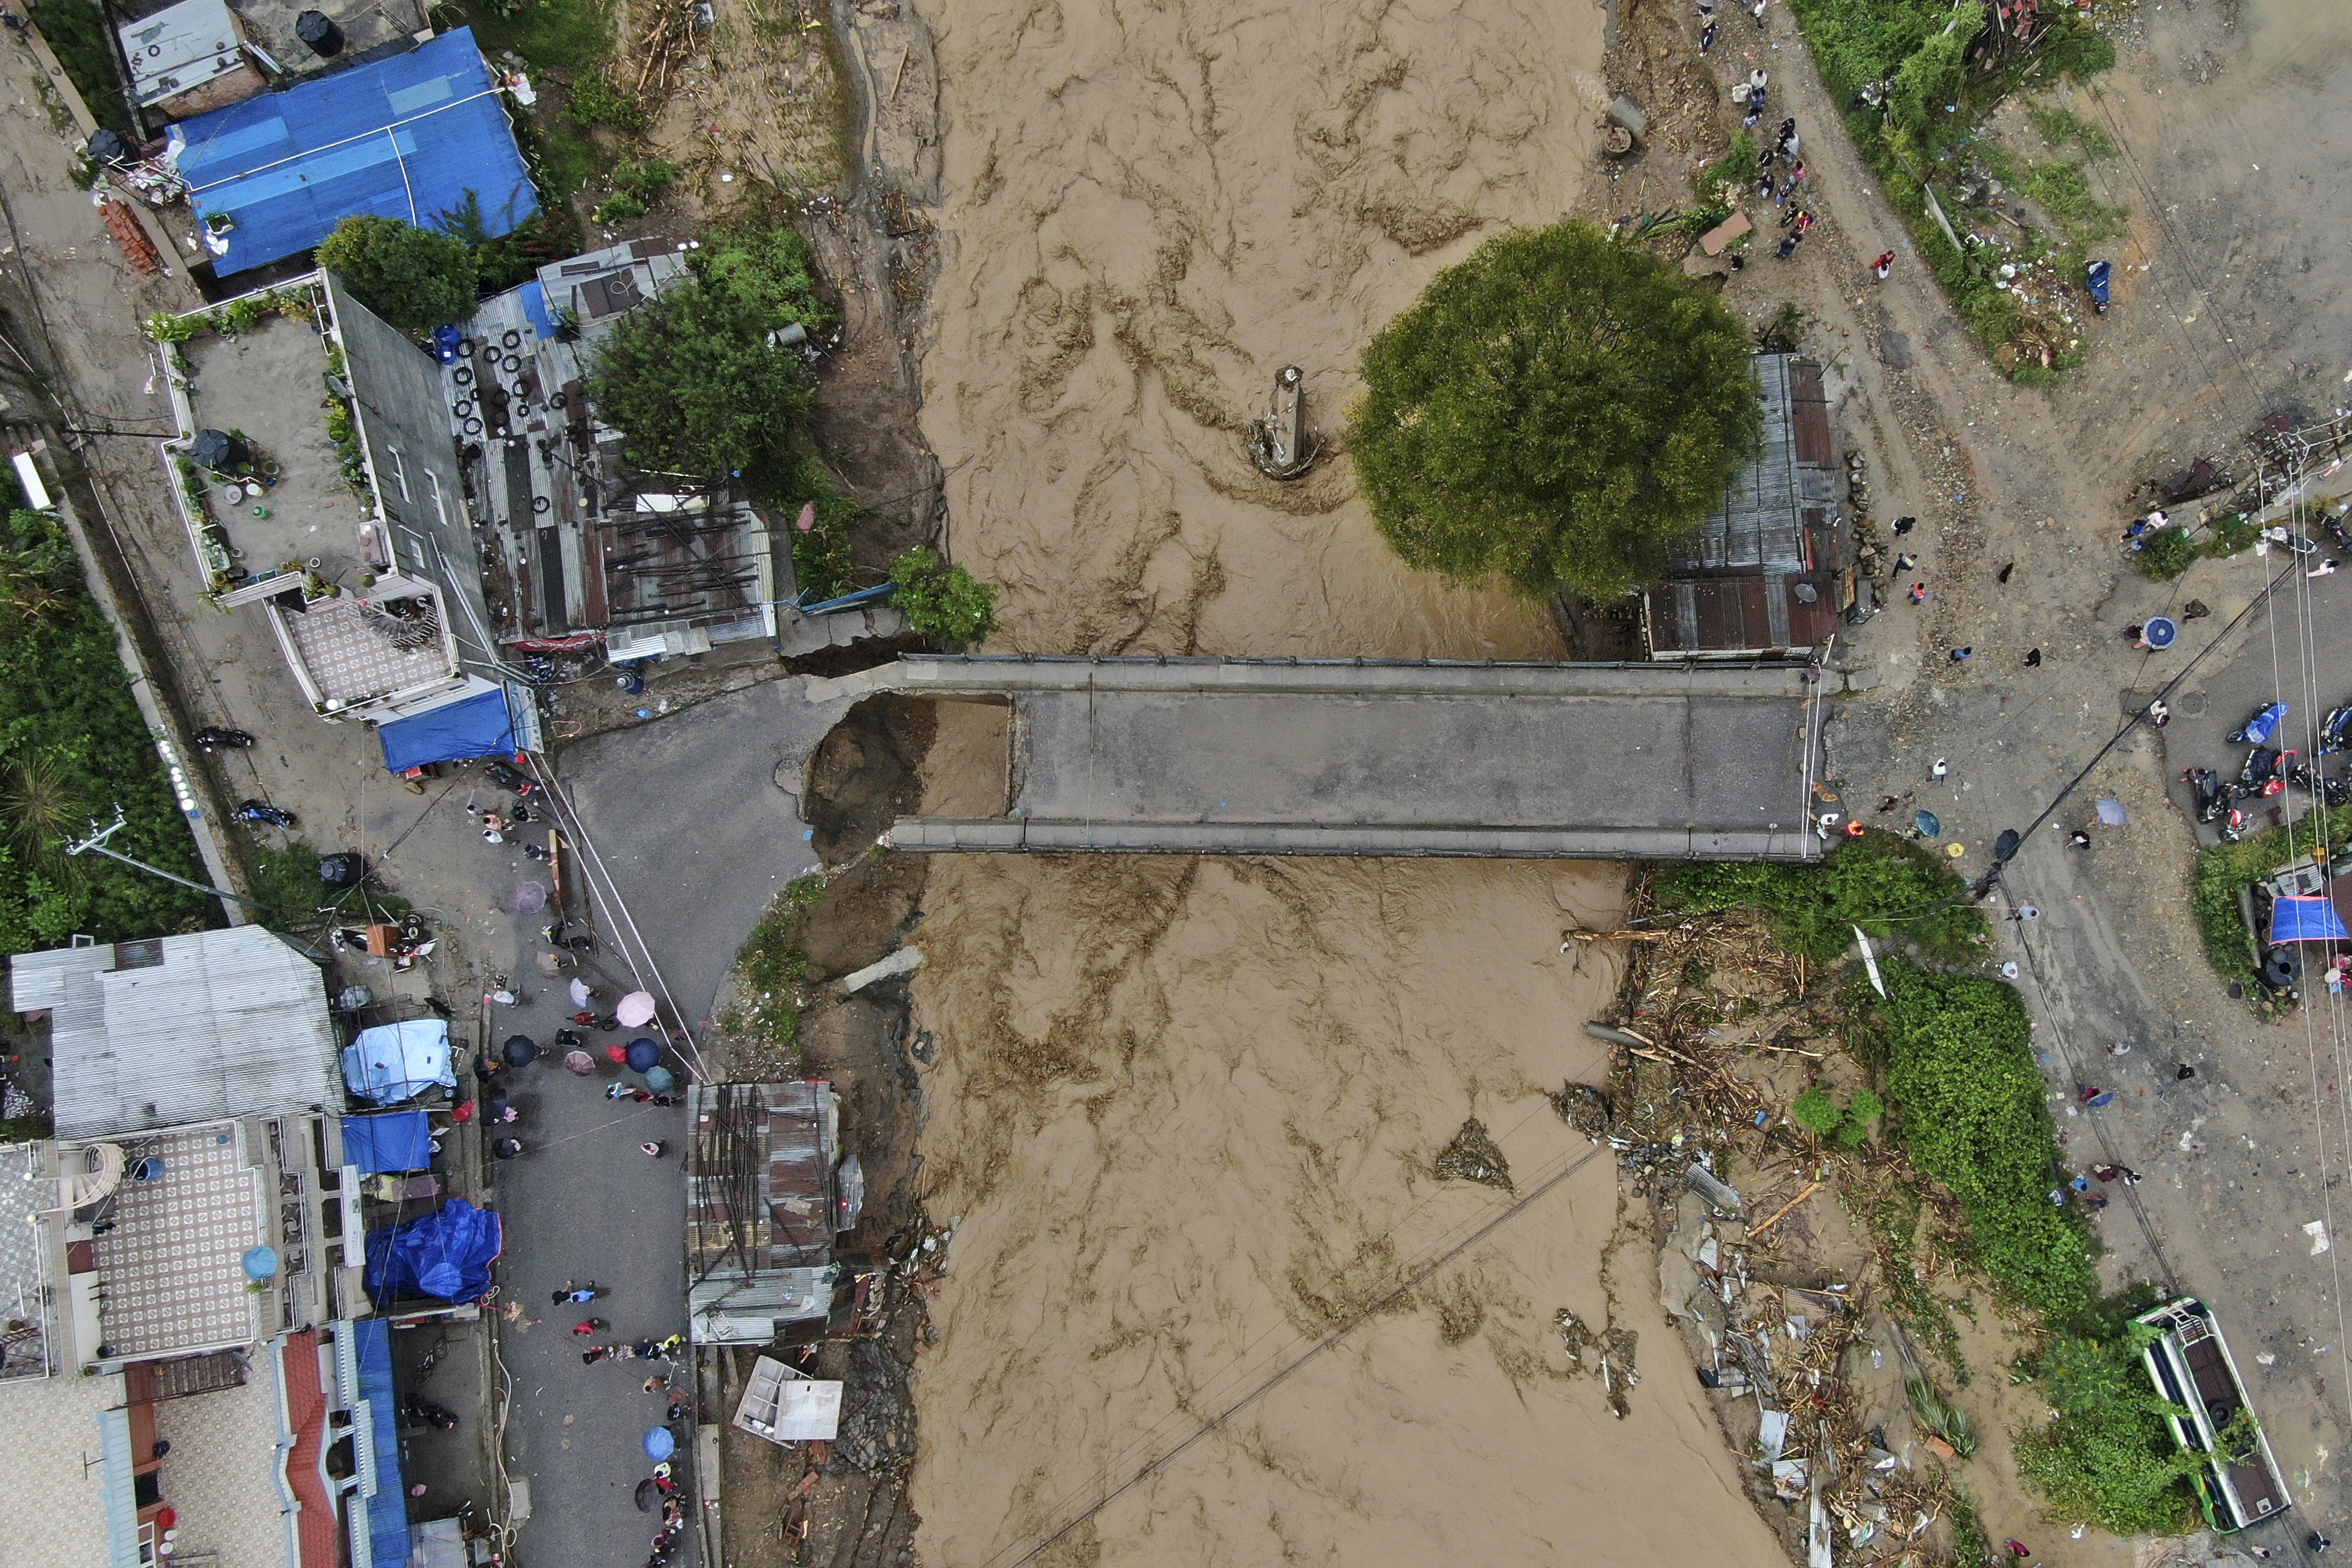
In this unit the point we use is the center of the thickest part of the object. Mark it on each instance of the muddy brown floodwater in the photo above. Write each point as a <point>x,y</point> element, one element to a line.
<point>1189,1112</point>
<point>1150,210</point>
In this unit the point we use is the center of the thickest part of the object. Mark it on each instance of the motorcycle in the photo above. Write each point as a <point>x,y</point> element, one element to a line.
<point>424,1413</point>
<point>261,811</point>
<point>2256,731</point>
<point>2336,731</point>
<point>2212,795</point>
<point>2097,278</point>
<point>2331,793</point>
<point>2264,774</point>
<point>214,738</point>
<point>2234,826</point>
<point>508,777</point>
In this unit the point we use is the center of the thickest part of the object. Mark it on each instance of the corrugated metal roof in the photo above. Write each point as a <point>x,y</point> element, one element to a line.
<point>232,1022</point>
<point>121,1488</point>
<point>1760,522</point>
<point>407,138</point>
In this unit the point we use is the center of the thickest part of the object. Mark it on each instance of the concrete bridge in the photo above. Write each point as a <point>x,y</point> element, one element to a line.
<point>1206,756</point>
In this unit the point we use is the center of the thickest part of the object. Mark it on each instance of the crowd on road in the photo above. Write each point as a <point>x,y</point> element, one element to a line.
<point>657,1492</point>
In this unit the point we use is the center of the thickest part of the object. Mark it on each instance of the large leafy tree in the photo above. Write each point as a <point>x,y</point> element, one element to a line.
<point>416,279</point>
<point>696,379</point>
<point>1553,411</point>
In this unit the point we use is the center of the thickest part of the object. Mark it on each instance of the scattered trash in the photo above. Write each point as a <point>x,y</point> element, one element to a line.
<point>2317,1231</point>
<point>1725,1199</point>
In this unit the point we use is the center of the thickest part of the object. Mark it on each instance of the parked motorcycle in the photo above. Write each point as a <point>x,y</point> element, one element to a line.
<point>424,1413</point>
<point>2234,826</point>
<point>508,777</point>
<point>214,738</point>
<point>2212,795</point>
<point>261,811</point>
<point>2336,730</point>
<point>2331,793</point>
<point>2264,774</point>
<point>2257,729</point>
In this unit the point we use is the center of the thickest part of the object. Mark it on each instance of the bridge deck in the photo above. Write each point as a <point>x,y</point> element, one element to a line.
<point>1280,757</point>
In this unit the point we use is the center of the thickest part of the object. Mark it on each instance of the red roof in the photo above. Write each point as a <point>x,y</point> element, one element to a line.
<point>306,1415</point>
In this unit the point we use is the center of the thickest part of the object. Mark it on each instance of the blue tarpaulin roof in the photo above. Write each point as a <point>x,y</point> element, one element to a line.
<point>407,138</point>
<point>2305,917</point>
<point>394,1141</point>
<point>445,1254</point>
<point>478,726</point>
<point>394,1062</point>
<point>387,1506</point>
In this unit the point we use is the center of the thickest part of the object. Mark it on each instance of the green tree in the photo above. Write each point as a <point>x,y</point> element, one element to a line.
<point>1554,411</point>
<point>698,379</point>
<point>694,383</point>
<point>942,601</point>
<point>416,279</point>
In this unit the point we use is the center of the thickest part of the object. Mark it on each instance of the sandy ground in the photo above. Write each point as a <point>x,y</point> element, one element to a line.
<point>1187,1113</point>
<point>1149,211</point>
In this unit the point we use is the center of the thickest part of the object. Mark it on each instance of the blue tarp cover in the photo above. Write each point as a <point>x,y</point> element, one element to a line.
<point>478,726</point>
<point>394,1062</point>
<point>387,1510</point>
<point>534,305</point>
<point>394,1141</point>
<point>407,138</point>
<point>445,1254</point>
<point>2305,917</point>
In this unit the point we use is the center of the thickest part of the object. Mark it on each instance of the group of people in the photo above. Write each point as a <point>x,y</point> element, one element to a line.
<point>663,1487</point>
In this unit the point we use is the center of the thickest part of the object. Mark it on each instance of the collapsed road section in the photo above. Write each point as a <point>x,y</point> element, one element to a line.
<point>1363,757</point>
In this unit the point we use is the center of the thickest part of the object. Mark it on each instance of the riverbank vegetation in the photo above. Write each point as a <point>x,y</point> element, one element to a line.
<point>1966,1164</point>
<point>73,749</point>
<point>1918,79</point>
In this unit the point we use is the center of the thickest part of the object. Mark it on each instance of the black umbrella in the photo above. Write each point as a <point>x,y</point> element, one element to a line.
<point>520,1051</point>
<point>2005,847</point>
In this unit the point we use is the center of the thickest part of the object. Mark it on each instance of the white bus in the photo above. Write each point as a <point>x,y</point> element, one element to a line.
<point>2190,1365</point>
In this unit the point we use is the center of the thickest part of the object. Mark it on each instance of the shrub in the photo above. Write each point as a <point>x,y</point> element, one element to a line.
<point>595,101</point>
<point>2166,554</point>
<point>1880,882</point>
<point>620,208</point>
<point>1816,1113</point>
<point>415,279</point>
<point>2109,1457</point>
<point>75,32</point>
<point>941,600</point>
<point>2222,871</point>
<point>1553,412</point>
<point>1968,1100</point>
<point>647,180</point>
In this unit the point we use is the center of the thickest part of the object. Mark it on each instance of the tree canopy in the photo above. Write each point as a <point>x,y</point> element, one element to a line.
<point>1553,411</point>
<point>415,279</point>
<point>942,601</point>
<point>691,377</point>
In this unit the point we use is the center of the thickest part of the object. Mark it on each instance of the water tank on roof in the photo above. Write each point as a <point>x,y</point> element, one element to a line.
<point>322,37</point>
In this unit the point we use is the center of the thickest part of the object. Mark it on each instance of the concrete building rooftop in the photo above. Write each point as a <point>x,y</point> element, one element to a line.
<point>27,1338</point>
<point>53,1510</point>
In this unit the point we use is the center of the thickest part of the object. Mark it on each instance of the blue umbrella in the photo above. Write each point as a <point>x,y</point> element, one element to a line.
<point>660,1444</point>
<point>1927,825</point>
<point>2159,633</point>
<point>660,1079</point>
<point>643,1053</point>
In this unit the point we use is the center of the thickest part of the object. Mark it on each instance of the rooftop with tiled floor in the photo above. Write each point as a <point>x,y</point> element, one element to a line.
<point>24,1313</point>
<point>172,1269</point>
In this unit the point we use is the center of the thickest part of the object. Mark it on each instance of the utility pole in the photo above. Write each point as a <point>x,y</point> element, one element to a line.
<point>96,843</point>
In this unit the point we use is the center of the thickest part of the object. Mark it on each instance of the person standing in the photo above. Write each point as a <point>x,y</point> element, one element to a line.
<point>1883,265</point>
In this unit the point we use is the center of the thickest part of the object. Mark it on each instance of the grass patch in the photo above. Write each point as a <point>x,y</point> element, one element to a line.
<point>2222,869</point>
<point>76,32</point>
<point>566,37</point>
<point>771,983</point>
<point>1969,1104</point>
<point>2063,128</point>
<point>2064,192</point>
<point>1881,883</point>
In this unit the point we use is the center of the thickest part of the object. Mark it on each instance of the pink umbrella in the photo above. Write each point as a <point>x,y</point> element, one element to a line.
<point>635,1010</point>
<point>578,1063</point>
<point>580,993</point>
